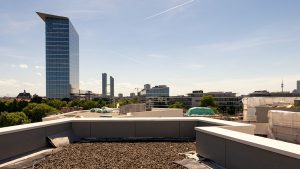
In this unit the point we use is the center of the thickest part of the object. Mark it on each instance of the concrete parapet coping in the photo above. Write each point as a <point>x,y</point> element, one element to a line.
<point>280,147</point>
<point>12,129</point>
<point>18,128</point>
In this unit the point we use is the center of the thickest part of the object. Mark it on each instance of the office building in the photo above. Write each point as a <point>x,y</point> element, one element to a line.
<point>104,84</point>
<point>105,93</point>
<point>155,97</point>
<point>62,57</point>
<point>112,87</point>
<point>156,91</point>
<point>227,102</point>
<point>298,86</point>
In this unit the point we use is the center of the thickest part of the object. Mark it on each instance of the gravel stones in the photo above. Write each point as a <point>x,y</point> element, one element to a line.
<point>118,155</point>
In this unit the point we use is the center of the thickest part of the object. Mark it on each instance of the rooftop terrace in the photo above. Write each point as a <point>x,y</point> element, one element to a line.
<point>229,144</point>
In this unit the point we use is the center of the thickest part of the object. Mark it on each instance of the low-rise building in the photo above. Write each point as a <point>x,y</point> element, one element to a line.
<point>24,96</point>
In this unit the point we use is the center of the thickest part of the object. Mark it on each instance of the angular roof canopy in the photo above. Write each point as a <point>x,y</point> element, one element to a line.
<point>44,16</point>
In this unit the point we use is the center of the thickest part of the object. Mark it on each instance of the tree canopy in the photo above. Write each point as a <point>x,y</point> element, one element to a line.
<point>11,119</point>
<point>36,111</point>
<point>208,101</point>
<point>177,104</point>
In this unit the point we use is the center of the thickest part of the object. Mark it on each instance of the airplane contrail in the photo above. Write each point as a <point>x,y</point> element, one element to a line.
<point>167,10</point>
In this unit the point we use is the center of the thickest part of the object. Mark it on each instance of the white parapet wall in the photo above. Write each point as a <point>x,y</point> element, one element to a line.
<point>238,150</point>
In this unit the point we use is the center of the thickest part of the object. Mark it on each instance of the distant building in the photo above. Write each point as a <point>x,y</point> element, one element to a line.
<point>185,100</point>
<point>156,91</point>
<point>155,97</point>
<point>298,86</point>
<point>62,57</point>
<point>120,95</point>
<point>265,93</point>
<point>227,102</point>
<point>104,84</point>
<point>112,87</point>
<point>24,96</point>
<point>132,95</point>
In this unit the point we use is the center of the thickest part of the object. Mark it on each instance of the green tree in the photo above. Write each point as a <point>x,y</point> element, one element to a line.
<point>36,99</point>
<point>11,119</point>
<point>3,106</point>
<point>58,104</point>
<point>177,105</point>
<point>14,106</point>
<point>208,101</point>
<point>36,112</point>
<point>88,104</point>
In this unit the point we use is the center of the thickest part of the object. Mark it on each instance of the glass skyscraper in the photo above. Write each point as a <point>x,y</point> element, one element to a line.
<point>62,57</point>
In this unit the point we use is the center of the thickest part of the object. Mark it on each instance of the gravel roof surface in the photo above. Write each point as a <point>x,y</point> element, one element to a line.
<point>118,155</point>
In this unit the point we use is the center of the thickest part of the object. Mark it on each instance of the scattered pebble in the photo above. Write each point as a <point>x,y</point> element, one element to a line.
<point>119,155</point>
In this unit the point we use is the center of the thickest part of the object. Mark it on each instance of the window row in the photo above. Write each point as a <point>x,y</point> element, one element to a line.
<point>63,28</point>
<point>58,43</point>
<point>56,20</point>
<point>57,57</point>
<point>57,61</point>
<point>57,52</point>
<point>49,39</point>
<point>57,47</point>
<point>57,74</point>
<point>57,78</point>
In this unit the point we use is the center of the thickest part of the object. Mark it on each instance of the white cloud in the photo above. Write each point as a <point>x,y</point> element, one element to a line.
<point>240,44</point>
<point>13,65</point>
<point>39,67</point>
<point>8,82</point>
<point>28,84</point>
<point>23,66</point>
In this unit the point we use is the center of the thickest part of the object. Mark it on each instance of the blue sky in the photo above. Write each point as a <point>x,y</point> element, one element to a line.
<point>213,45</point>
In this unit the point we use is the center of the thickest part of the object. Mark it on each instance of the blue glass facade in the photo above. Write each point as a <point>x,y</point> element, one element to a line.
<point>62,57</point>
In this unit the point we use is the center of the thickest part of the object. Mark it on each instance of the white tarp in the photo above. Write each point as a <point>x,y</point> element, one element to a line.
<point>284,125</point>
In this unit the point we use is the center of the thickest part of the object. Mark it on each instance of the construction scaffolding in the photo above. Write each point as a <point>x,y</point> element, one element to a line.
<point>284,125</point>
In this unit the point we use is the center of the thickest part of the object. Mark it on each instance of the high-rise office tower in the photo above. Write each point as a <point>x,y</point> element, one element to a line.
<point>298,86</point>
<point>112,87</point>
<point>104,84</point>
<point>62,57</point>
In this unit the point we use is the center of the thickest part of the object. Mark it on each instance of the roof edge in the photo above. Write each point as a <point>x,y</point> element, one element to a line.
<point>45,15</point>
